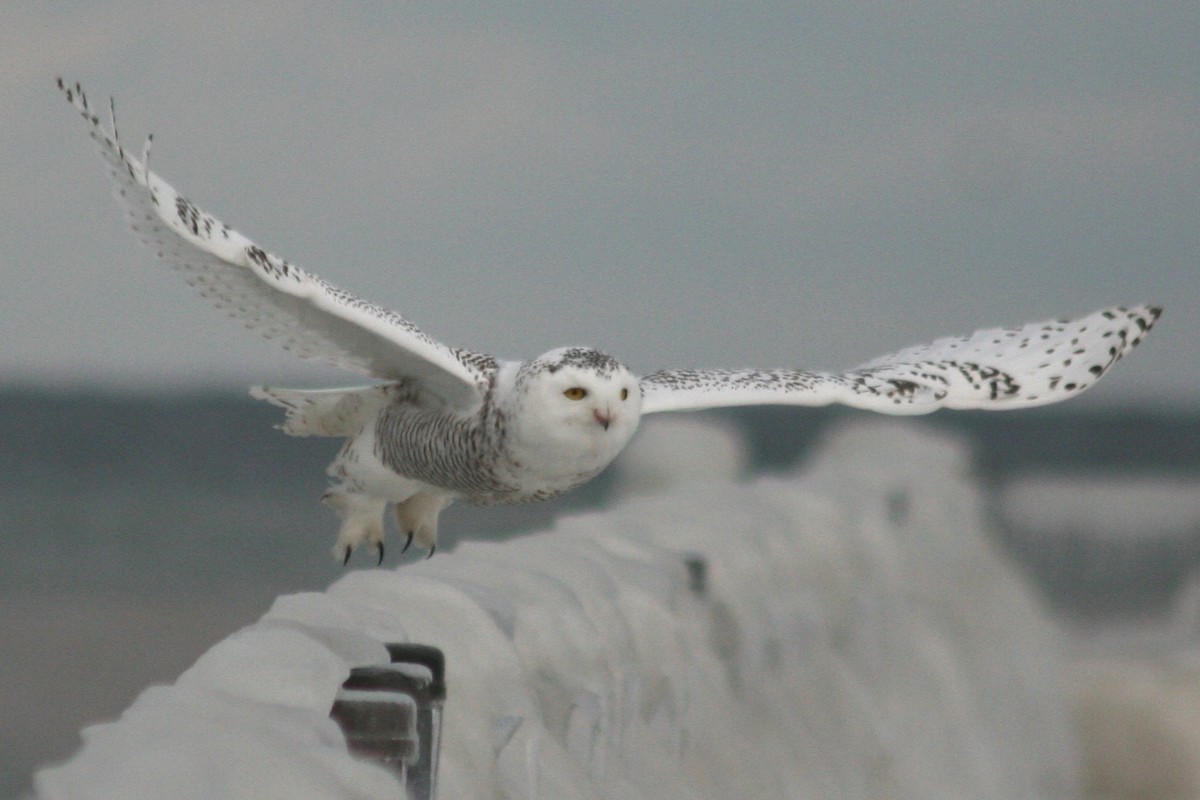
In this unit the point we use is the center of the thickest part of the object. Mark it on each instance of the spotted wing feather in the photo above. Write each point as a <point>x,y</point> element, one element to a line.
<point>994,369</point>
<point>304,313</point>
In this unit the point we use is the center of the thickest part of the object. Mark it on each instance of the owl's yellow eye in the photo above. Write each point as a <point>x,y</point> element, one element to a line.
<point>575,393</point>
<point>624,394</point>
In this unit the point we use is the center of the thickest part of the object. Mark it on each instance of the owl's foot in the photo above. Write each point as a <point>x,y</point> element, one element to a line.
<point>362,522</point>
<point>418,518</point>
<point>349,550</point>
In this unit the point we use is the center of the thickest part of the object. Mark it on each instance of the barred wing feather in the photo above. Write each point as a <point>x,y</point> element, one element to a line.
<point>995,369</point>
<point>304,313</point>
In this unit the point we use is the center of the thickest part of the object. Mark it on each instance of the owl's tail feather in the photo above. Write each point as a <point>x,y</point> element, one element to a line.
<point>325,412</point>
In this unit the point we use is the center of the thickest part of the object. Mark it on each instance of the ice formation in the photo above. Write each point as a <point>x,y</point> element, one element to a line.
<point>853,635</point>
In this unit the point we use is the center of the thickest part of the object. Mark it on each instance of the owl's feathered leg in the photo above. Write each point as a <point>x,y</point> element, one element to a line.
<point>362,521</point>
<point>418,518</point>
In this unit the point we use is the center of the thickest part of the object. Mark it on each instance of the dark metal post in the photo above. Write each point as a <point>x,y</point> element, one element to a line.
<point>393,713</point>
<point>422,778</point>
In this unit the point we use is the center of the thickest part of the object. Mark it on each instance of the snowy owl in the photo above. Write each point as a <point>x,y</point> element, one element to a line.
<point>448,424</point>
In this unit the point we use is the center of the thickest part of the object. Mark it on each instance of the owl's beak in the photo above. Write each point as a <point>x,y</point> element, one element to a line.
<point>604,419</point>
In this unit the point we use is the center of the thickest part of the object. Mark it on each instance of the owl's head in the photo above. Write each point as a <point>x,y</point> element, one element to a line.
<point>578,400</point>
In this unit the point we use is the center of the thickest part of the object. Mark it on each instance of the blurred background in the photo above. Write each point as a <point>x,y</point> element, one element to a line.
<point>776,184</point>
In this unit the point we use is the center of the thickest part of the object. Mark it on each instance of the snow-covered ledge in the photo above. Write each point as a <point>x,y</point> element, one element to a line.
<point>853,636</point>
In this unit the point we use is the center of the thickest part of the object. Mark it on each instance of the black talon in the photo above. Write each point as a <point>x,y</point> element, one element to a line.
<point>346,558</point>
<point>380,561</point>
<point>432,547</point>
<point>407,542</point>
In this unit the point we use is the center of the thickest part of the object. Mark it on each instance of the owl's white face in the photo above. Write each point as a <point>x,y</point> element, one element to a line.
<point>577,410</point>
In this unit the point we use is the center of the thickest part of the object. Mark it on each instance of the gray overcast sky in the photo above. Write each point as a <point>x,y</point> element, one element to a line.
<point>749,184</point>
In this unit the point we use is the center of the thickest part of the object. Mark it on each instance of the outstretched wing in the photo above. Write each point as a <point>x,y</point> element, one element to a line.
<point>998,368</point>
<point>305,314</point>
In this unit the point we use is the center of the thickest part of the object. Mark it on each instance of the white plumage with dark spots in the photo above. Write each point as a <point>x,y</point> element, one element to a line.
<point>445,424</point>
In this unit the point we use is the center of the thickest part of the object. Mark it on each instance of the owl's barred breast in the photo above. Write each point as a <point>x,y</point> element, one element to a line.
<point>464,454</point>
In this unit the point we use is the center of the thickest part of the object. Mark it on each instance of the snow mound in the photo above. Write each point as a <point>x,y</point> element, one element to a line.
<point>676,450</point>
<point>1119,508</point>
<point>842,632</point>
